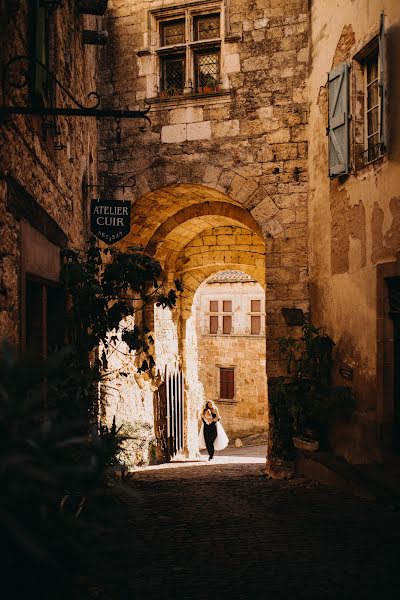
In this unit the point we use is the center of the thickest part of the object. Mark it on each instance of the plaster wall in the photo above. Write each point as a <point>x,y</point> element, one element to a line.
<point>354,221</point>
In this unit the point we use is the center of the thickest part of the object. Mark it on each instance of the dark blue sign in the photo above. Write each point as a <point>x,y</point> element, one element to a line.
<point>110,220</point>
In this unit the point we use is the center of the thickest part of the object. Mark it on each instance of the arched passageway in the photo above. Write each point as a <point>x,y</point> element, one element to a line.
<point>226,351</point>
<point>195,232</point>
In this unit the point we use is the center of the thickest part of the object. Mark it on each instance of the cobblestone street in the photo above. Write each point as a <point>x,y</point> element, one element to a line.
<point>222,530</point>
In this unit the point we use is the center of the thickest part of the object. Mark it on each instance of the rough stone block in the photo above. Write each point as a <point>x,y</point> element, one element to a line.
<point>232,63</point>
<point>226,128</point>
<point>279,136</point>
<point>173,134</point>
<point>264,210</point>
<point>199,131</point>
<point>188,114</point>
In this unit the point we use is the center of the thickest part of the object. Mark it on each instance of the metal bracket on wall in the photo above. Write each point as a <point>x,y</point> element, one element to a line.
<point>17,74</point>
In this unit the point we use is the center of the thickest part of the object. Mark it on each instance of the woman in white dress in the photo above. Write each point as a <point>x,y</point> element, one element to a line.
<point>212,435</point>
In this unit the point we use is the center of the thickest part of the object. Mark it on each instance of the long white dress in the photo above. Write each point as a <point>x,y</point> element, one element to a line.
<point>221,441</point>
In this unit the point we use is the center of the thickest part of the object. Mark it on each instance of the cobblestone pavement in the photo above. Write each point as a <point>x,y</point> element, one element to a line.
<point>223,530</point>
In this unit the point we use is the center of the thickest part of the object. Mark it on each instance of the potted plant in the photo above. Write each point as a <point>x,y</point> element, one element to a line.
<point>312,401</point>
<point>209,86</point>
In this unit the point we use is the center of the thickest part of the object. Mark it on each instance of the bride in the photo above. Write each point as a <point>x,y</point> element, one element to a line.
<point>212,435</point>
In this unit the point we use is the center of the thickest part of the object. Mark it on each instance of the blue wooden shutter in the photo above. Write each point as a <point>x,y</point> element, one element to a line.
<point>382,88</point>
<point>338,125</point>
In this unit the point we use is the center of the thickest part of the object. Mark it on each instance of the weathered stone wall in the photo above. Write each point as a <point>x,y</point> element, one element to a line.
<point>249,143</point>
<point>39,183</point>
<point>354,221</point>
<point>237,157</point>
<point>247,412</point>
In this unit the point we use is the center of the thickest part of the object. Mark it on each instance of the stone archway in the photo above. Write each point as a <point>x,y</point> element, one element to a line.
<point>195,231</point>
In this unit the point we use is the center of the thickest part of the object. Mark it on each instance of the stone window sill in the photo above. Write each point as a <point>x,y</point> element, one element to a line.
<point>188,97</point>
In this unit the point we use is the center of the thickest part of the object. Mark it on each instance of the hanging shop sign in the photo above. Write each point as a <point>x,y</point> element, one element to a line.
<point>110,220</point>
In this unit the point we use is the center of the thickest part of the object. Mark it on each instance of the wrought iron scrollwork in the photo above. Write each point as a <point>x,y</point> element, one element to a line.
<point>17,74</point>
<point>22,78</point>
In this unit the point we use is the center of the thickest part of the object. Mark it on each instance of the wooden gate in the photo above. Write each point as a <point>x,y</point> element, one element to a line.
<point>174,410</point>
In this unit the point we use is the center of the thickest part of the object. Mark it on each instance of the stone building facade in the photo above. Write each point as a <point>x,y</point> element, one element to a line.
<point>354,212</point>
<point>226,148</point>
<point>45,164</point>
<point>233,170</point>
<point>230,327</point>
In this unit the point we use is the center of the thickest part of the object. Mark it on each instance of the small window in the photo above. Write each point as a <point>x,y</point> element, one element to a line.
<point>255,324</point>
<point>207,72</point>
<point>226,324</point>
<point>213,324</point>
<point>189,47</point>
<point>227,305</point>
<point>256,306</point>
<point>213,305</point>
<point>173,74</point>
<point>206,27</point>
<point>173,33</point>
<point>372,108</point>
<point>227,384</point>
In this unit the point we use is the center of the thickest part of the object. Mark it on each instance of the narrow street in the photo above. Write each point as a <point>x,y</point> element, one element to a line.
<point>205,530</point>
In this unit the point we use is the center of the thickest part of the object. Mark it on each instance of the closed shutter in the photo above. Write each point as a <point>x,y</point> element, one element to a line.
<point>226,324</point>
<point>214,324</point>
<point>41,50</point>
<point>227,384</point>
<point>382,87</point>
<point>338,126</point>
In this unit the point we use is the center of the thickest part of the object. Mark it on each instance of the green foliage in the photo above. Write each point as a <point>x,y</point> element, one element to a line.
<point>55,460</point>
<point>105,287</point>
<point>306,402</point>
<point>112,445</point>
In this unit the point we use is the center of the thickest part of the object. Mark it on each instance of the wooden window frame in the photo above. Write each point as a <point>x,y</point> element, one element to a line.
<point>225,382</point>
<point>213,319</point>
<point>227,319</point>
<point>374,56</point>
<point>255,314</point>
<point>191,48</point>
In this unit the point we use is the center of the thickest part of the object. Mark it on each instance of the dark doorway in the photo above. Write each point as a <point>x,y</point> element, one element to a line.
<point>394,304</point>
<point>44,318</point>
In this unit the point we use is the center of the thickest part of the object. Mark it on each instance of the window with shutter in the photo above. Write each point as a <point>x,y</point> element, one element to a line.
<point>255,325</point>
<point>226,324</point>
<point>227,384</point>
<point>213,324</point>
<point>370,132</point>
<point>189,49</point>
<point>338,125</point>
<point>227,305</point>
<point>382,87</point>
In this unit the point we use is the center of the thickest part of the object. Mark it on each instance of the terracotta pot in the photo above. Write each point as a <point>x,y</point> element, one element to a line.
<point>208,89</point>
